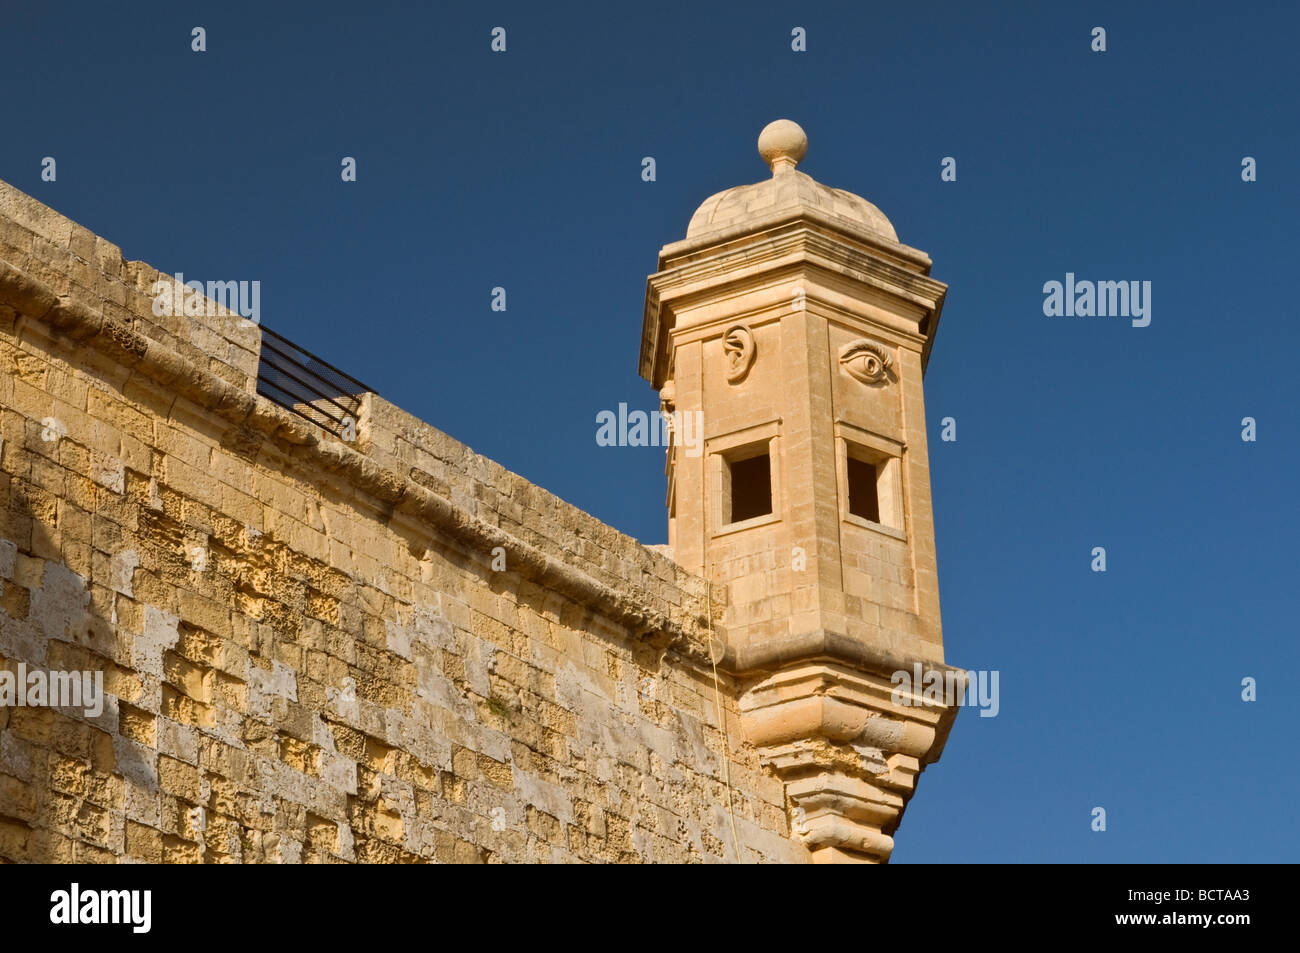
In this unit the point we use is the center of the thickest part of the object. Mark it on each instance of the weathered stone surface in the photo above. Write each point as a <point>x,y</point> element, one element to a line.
<point>326,682</point>
<point>312,652</point>
<point>794,326</point>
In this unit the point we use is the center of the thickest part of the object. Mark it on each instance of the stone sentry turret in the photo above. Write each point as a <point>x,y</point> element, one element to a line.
<point>797,327</point>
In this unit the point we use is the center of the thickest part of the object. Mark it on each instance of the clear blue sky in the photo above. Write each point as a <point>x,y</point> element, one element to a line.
<point>522,170</point>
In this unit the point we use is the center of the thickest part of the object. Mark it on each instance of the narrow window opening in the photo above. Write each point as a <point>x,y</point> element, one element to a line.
<point>751,487</point>
<point>864,497</point>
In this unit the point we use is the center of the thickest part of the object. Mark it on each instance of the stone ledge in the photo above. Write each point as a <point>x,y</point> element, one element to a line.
<point>849,749</point>
<point>72,260</point>
<point>632,606</point>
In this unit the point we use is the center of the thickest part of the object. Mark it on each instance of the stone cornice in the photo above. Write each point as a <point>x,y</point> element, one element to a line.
<point>773,654</point>
<point>913,258</point>
<point>790,244</point>
<point>773,312</point>
<point>808,244</point>
<point>849,742</point>
<point>79,323</point>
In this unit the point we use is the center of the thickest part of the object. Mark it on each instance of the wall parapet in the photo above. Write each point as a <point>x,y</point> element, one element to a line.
<point>404,443</point>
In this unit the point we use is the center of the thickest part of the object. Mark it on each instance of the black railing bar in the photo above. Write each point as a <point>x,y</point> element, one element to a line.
<point>290,362</point>
<point>308,354</point>
<point>295,410</point>
<point>315,394</point>
<point>325,426</point>
<point>292,402</point>
<point>297,397</point>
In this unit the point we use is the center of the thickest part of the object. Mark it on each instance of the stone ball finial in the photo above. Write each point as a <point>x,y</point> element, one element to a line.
<point>782,144</point>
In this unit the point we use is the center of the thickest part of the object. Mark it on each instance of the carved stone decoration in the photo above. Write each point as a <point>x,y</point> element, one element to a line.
<point>866,361</point>
<point>668,398</point>
<point>668,411</point>
<point>738,345</point>
<point>848,744</point>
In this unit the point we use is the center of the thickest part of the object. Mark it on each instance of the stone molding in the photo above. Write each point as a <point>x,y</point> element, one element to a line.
<point>848,752</point>
<point>816,706</point>
<point>76,322</point>
<point>792,248</point>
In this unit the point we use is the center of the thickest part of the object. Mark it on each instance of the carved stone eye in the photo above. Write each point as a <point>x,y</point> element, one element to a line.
<point>866,361</point>
<point>740,350</point>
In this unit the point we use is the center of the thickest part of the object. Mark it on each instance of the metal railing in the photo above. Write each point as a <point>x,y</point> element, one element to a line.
<point>301,382</point>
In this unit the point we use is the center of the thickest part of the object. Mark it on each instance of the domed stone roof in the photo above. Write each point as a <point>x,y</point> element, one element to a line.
<point>782,144</point>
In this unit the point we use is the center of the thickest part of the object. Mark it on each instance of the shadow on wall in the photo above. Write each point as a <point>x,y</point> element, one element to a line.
<point>64,771</point>
<point>308,386</point>
<point>176,747</point>
<point>215,740</point>
<point>263,705</point>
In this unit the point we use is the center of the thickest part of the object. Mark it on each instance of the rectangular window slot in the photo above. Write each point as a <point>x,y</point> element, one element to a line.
<point>864,494</point>
<point>751,487</point>
<point>871,479</point>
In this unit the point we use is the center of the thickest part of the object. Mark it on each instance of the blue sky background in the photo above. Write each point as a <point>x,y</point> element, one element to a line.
<point>522,170</point>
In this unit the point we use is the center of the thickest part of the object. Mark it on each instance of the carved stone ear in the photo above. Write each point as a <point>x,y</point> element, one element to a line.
<point>740,350</point>
<point>866,361</point>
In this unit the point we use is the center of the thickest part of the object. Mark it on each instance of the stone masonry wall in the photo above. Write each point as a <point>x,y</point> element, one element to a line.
<point>307,651</point>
